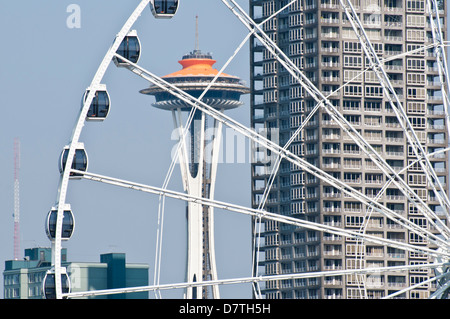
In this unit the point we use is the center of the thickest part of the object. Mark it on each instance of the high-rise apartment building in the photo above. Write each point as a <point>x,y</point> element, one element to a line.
<point>318,37</point>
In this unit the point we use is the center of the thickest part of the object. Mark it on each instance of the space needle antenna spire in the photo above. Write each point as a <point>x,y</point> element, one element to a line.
<point>197,45</point>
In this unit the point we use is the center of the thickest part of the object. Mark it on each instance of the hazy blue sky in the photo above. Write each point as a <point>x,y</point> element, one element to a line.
<point>46,67</point>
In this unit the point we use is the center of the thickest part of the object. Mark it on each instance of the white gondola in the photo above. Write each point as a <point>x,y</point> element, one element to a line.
<point>130,49</point>
<point>68,224</point>
<point>164,9</point>
<point>49,285</point>
<point>99,108</point>
<point>80,160</point>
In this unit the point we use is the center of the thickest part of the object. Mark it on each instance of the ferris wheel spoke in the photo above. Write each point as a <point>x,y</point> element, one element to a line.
<point>182,133</point>
<point>252,279</point>
<point>389,182</point>
<point>406,189</point>
<point>428,169</point>
<point>265,215</point>
<point>333,112</point>
<point>296,134</point>
<point>170,89</point>
<point>279,151</point>
<point>396,105</point>
<point>377,66</point>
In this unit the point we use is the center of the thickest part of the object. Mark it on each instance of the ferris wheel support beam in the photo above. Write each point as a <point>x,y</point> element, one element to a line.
<point>64,179</point>
<point>311,114</point>
<point>394,101</point>
<point>262,214</point>
<point>336,115</point>
<point>441,292</point>
<point>252,280</point>
<point>258,138</point>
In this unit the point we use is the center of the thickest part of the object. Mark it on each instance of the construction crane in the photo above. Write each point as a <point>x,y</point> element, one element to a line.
<point>16,213</point>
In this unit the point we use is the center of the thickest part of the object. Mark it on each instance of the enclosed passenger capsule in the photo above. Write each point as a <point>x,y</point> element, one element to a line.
<point>80,160</point>
<point>164,9</point>
<point>130,49</point>
<point>68,224</point>
<point>99,108</point>
<point>49,285</point>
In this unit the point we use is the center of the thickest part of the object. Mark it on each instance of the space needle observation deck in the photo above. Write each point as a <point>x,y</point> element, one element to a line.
<point>193,78</point>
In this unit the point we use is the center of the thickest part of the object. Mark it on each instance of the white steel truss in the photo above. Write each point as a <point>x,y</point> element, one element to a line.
<point>315,93</point>
<point>262,214</point>
<point>396,105</point>
<point>279,151</point>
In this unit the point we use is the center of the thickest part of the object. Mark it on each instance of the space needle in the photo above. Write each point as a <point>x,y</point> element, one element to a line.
<point>198,153</point>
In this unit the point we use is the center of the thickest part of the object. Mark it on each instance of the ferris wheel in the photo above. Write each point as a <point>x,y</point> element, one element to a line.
<point>178,94</point>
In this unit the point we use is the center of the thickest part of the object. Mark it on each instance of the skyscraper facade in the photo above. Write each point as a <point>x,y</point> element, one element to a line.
<point>318,37</point>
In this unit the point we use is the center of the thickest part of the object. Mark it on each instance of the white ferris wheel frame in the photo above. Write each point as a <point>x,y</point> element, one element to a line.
<point>442,255</point>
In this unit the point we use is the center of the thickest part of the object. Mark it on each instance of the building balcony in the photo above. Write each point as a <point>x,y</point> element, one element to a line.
<point>397,285</point>
<point>336,6</point>
<point>331,79</point>
<point>392,153</point>
<point>331,151</point>
<point>329,20</point>
<point>331,137</point>
<point>393,38</point>
<point>436,141</point>
<point>331,163</point>
<point>393,24</point>
<point>330,50</point>
<point>331,195</point>
<point>330,64</point>
<point>395,139</point>
<point>393,9</point>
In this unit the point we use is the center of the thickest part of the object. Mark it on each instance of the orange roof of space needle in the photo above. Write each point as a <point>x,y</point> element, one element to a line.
<point>193,66</point>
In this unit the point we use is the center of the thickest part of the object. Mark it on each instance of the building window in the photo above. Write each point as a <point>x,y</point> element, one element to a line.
<point>354,221</point>
<point>416,93</point>
<point>417,179</point>
<point>415,6</point>
<point>353,90</point>
<point>352,47</point>
<point>417,122</point>
<point>415,35</point>
<point>415,21</point>
<point>374,91</point>
<point>353,75</point>
<point>415,64</point>
<point>352,61</point>
<point>413,47</point>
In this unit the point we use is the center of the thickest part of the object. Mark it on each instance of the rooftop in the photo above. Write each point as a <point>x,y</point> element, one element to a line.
<point>197,63</point>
